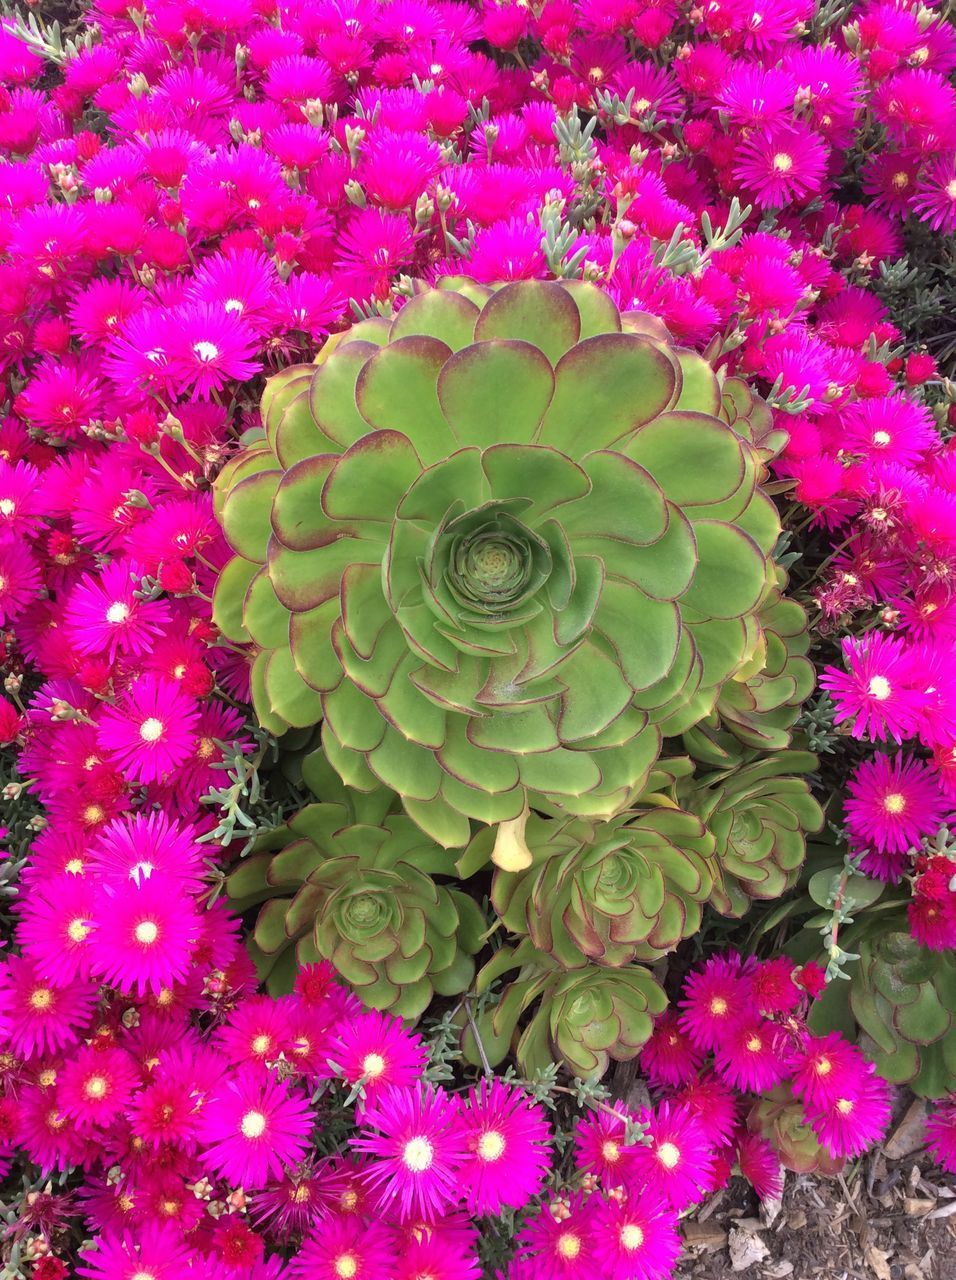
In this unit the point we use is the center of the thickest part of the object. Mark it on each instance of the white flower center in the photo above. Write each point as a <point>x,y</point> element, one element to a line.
<point>206,351</point>
<point>373,1064</point>
<point>7,507</point>
<point>117,612</point>
<point>491,1145</point>
<point>632,1237</point>
<point>669,1155</point>
<point>151,730</point>
<point>418,1155</point>
<point>881,438</point>
<point>879,688</point>
<point>146,932</point>
<point>346,1265</point>
<point>782,162</point>
<point>253,1124</point>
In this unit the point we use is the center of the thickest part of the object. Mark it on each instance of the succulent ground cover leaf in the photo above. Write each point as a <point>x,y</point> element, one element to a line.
<point>501,546</point>
<point>780,1118</point>
<point>361,896</point>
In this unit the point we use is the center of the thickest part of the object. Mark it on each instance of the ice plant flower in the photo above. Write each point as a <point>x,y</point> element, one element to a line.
<point>253,1127</point>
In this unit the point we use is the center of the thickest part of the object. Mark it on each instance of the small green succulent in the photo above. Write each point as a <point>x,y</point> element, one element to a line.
<point>780,1118</point>
<point>362,897</point>
<point>903,997</point>
<point>759,813</point>
<point>501,546</point>
<point>611,892</point>
<point>582,1017</point>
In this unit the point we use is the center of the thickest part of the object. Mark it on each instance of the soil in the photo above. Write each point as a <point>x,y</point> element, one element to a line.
<point>891,1216</point>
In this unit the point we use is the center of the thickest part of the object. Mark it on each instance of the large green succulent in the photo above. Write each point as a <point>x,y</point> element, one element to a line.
<point>759,814</point>
<point>500,546</point>
<point>612,892</point>
<point>361,896</point>
<point>583,1017</point>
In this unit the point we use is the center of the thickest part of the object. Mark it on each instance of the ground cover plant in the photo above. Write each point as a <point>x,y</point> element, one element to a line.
<point>477,517</point>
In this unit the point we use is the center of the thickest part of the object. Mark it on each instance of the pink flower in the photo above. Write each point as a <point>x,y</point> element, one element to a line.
<point>715,996</point>
<point>253,1127</point>
<point>377,1049</point>
<point>675,1160</point>
<point>106,613</point>
<point>637,1238</point>
<point>41,1018</point>
<point>760,1165</point>
<point>146,933</point>
<point>941,1134</point>
<point>418,1141</point>
<point>935,200</point>
<point>156,1250</point>
<point>877,695</point>
<point>209,347</point>
<point>149,733</point>
<point>825,1068</point>
<point>350,1246</point>
<point>670,1056</point>
<point>894,802</point>
<point>752,1056</point>
<point>96,1085</point>
<point>781,163</point>
<point>507,1139</point>
<point>562,1242</point>
<point>855,1119</point>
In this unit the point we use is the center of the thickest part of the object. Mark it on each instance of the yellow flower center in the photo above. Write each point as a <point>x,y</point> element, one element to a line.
<point>610,1151</point>
<point>41,998</point>
<point>77,931</point>
<point>823,1066</point>
<point>74,867</point>
<point>253,1124</point>
<point>346,1265</point>
<point>669,1155</point>
<point>418,1155</point>
<point>373,1065</point>
<point>146,932</point>
<point>568,1245</point>
<point>96,1087</point>
<point>881,438</point>
<point>895,802</point>
<point>261,1044</point>
<point>491,1145</point>
<point>754,1044</point>
<point>951,189</point>
<point>782,162</point>
<point>632,1237</point>
<point>844,1106</point>
<point>718,1006</point>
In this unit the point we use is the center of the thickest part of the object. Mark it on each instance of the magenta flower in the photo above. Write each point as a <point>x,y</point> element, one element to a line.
<point>507,1138</point>
<point>781,163</point>
<point>877,696</point>
<point>349,1247</point>
<point>150,730</point>
<point>894,801</point>
<point>252,1127</point>
<point>674,1161</point>
<point>107,614</point>
<point>417,1139</point>
<point>156,1251</point>
<point>856,1118</point>
<point>637,1238</point>
<point>145,933</point>
<point>39,1017</point>
<point>377,1049</point>
<point>941,1134</point>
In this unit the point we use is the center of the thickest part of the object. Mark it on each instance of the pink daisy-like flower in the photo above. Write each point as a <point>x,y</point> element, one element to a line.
<point>715,996</point>
<point>379,1050</point>
<point>95,1086</point>
<point>670,1056</point>
<point>209,347</point>
<point>154,1251</point>
<point>56,926</point>
<point>675,1158</point>
<point>935,200</point>
<point>894,802</point>
<point>346,1247</point>
<point>715,1106</point>
<point>253,1126</point>
<point>602,1148</point>
<point>141,845</point>
<point>562,1241</point>
<point>890,429</point>
<point>752,1055</point>
<point>507,1138</point>
<point>941,1134</point>
<point>760,1165</point>
<point>877,694</point>
<point>21,506</point>
<point>824,1068</point>
<point>257,1032</point>
<point>439,1255</point>
<point>42,1018</point>
<point>781,163</point>
<point>774,989</point>
<point>856,1118</point>
<point>417,1140</point>
<point>149,733</point>
<point>20,579</point>
<point>107,615</point>
<point>146,933</point>
<point>637,1238</point>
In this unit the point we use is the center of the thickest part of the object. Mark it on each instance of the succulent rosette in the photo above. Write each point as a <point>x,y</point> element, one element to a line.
<point>611,892</point>
<point>500,545</point>
<point>363,898</point>
<point>903,996</point>
<point>780,1118</point>
<point>759,813</point>
<point>584,1018</point>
